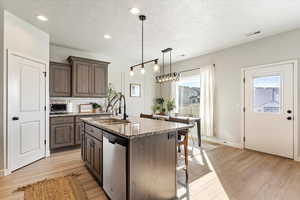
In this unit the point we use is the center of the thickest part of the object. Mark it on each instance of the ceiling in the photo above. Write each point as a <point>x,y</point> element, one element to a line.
<point>190,27</point>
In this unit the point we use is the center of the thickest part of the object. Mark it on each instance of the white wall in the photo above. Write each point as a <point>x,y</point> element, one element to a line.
<point>23,38</point>
<point>228,76</point>
<point>118,75</point>
<point>1,90</point>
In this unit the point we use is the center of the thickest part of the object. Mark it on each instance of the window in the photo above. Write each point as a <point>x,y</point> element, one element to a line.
<point>188,96</point>
<point>266,96</point>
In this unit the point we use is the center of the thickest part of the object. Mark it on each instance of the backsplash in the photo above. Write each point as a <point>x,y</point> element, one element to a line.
<point>77,101</point>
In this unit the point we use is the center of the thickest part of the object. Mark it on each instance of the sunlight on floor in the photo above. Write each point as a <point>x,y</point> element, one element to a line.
<point>204,182</point>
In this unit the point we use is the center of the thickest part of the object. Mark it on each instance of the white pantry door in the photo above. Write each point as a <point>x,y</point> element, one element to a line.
<point>26,111</point>
<point>269,109</point>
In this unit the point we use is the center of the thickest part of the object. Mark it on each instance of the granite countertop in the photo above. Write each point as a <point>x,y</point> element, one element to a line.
<point>78,114</point>
<point>137,127</point>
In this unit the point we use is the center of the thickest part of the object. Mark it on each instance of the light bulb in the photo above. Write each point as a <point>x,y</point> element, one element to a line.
<point>131,73</point>
<point>156,67</point>
<point>143,70</point>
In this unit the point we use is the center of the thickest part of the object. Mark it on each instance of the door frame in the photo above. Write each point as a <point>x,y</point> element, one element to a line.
<point>8,138</point>
<point>295,100</point>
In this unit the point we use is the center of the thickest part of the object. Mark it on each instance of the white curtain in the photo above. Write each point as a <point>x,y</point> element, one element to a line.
<point>207,84</point>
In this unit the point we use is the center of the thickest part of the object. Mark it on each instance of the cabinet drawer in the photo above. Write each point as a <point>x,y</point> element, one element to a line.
<point>62,120</point>
<point>93,131</point>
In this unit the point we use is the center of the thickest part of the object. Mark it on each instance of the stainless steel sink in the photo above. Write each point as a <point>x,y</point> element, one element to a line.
<point>112,121</point>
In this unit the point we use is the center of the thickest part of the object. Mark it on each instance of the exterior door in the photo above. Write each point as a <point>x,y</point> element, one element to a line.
<point>26,111</point>
<point>269,109</point>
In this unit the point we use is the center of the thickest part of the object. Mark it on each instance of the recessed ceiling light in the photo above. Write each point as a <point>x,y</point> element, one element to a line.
<point>42,18</point>
<point>253,33</point>
<point>135,11</point>
<point>106,36</point>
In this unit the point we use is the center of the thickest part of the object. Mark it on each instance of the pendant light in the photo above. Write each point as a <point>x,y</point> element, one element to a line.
<point>172,76</point>
<point>142,18</point>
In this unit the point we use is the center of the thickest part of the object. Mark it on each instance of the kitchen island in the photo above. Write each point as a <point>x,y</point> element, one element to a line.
<point>132,159</point>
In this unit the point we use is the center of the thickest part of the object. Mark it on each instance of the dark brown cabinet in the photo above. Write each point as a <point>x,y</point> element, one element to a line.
<point>89,77</point>
<point>93,153</point>
<point>62,135</point>
<point>60,79</point>
<point>99,80</point>
<point>83,143</point>
<point>78,128</point>
<point>68,131</point>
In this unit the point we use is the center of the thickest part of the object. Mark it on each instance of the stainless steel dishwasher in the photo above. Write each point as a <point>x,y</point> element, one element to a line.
<point>114,166</point>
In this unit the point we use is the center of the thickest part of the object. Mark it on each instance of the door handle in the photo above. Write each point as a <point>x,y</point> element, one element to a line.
<point>15,118</point>
<point>289,111</point>
<point>289,118</point>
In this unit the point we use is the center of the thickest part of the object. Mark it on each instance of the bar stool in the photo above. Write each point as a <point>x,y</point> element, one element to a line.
<point>183,142</point>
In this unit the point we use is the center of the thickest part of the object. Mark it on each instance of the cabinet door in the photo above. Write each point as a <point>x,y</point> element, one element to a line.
<point>90,149</point>
<point>62,135</point>
<point>83,144</point>
<point>97,164</point>
<point>60,80</point>
<point>94,156</point>
<point>77,133</point>
<point>81,79</point>
<point>99,80</point>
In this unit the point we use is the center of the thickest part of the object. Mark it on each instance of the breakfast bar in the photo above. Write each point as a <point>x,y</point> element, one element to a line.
<point>132,159</point>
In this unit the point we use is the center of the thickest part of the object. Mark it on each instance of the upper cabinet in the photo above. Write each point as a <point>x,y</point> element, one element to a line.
<point>81,78</point>
<point>60,80</point>
<point>89,77</point>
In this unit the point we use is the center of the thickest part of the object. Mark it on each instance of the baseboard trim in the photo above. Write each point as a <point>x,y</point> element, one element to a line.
<point>221,141</point>
<point>297,159</point>
<point>4,172</point>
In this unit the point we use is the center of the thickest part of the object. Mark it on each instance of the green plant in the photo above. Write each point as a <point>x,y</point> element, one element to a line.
<point>155,108</point>
<point>170,105</point>
<point>96,106</point>
<point>160,101</point>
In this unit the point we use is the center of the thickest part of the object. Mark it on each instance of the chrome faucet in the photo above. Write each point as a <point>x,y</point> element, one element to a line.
<point>124,108</point>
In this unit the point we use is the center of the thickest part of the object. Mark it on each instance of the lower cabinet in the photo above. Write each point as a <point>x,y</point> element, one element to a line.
<point>62,135</point>
<point>77,133</point>
<point>65,131</point>
<point>83,143</point>
<point>93,157</point>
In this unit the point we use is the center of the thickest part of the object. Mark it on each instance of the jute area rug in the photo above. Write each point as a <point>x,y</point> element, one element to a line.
<point>61,188</point>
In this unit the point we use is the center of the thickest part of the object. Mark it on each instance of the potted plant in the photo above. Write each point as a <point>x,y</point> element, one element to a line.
<point>96,107</point>
<point>170,105</point>
<point>159,103</point>
<point>155,108</point>
<point>163,111</point>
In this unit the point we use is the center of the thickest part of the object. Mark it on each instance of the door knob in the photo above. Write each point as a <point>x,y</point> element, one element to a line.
<point>15,118</point>
<point>289,111</point>
<point>289,118</point>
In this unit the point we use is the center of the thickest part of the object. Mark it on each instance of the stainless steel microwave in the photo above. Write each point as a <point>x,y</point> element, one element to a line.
<point>58,108</point>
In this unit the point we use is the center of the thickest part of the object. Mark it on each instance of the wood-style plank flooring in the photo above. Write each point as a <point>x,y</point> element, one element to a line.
<point>215,174</point>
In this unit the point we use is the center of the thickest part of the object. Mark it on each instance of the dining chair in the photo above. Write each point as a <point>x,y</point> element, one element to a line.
<point>183,142</point>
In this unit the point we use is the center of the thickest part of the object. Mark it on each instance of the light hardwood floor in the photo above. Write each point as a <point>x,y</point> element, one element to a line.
<point>220,173</point>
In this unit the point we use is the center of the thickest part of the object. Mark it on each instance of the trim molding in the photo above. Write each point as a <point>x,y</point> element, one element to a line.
<point>223,142</point>
<point>4,172</point>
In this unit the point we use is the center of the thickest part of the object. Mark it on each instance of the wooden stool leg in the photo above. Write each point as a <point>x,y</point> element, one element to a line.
<point>186,151</point>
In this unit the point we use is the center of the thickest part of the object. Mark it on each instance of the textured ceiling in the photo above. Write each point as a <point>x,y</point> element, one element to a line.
<point>190,27</point>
